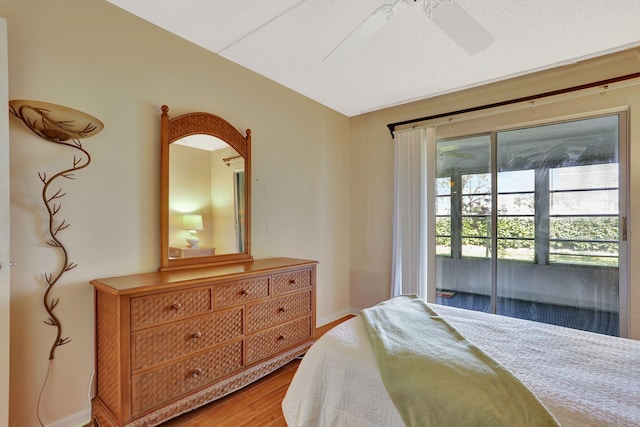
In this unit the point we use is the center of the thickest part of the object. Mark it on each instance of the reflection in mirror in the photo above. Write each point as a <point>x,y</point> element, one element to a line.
<point>205,191</point>
<point>206,178</point>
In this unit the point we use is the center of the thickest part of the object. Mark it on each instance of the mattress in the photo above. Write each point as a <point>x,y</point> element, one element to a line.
<point>583,378</point>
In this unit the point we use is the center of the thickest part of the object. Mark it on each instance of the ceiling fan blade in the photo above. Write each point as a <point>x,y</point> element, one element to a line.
<point>461,27</point>
<point>365,30</point>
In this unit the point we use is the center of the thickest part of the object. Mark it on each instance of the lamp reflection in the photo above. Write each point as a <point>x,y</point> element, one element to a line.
<point>193,223</point>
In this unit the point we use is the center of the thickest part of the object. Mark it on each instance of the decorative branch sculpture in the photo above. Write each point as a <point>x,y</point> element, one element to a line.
<point>59,125</point>
<point>54,228</point>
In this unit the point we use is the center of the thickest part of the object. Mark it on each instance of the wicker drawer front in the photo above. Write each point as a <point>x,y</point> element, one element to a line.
<point>153,388</point>
<point>147,311</point>
<point>152,346</point>
<point>277,311</point>
<point>291,281</point>
<point>265,344</point>
<point>242,291</point>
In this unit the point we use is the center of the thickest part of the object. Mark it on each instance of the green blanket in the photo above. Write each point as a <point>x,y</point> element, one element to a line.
<point>435,377</point>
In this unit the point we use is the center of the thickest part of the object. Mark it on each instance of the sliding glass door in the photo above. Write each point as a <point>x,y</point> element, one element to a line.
<point>463,222</point>
<point>530,222</point>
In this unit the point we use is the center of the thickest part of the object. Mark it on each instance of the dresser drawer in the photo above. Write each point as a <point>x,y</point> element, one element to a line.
<point>239,292</point>
<point>156,387</point>
<point>266,314</point>
<point>290,281</point>
<point>264,344</point>
<point>159,308</point>
<point>152,346</point>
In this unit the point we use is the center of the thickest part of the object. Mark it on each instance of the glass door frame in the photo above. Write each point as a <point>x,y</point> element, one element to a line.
<point>623,202</point>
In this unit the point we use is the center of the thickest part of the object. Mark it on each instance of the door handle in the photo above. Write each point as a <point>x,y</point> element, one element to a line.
<point>10,264</point>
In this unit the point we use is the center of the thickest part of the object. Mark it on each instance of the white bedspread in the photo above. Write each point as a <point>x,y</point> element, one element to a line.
<point>584,379</point>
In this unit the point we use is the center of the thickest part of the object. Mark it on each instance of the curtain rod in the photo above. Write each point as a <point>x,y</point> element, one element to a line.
<point>392,126</point>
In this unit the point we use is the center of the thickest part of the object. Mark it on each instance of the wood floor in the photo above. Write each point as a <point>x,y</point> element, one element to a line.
<point>257,405</point>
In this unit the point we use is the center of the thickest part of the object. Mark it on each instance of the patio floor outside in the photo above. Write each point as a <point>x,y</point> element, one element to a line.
<point>602,322</point>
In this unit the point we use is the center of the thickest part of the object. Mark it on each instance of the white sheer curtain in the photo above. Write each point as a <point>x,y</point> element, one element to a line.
<point>412,266</point>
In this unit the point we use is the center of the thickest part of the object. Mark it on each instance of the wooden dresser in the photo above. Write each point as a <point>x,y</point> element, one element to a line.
<point>171,341</point>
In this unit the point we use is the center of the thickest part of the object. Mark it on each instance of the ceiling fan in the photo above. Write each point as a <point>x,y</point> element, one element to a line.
<point>450,17</point>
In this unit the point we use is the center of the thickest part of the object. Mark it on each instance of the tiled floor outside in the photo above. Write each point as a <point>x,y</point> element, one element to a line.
<point>603,322</point>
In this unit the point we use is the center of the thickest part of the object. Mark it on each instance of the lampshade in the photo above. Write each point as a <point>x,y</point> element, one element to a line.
<point>192,222</point>
<point>55,122</point>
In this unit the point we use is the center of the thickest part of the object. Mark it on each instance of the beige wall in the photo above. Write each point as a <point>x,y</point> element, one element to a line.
<point>4,231</point>
<point>372,159</point>
<point>92,56</point>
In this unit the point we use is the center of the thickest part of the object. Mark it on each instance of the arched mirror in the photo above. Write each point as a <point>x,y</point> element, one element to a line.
<point>205,195</point>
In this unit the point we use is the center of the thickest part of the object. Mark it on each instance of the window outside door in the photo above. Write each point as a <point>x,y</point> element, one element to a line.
<point>530,222</point>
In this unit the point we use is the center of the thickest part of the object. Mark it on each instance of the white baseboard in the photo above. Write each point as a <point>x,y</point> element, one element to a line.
<point>75,420</point>
<point>336,316</point>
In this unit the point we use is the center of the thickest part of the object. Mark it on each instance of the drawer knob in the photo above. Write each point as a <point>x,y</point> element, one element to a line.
<point>244,292</point>
<point>281,310</point>
<point>281,338</point>
<point>196,373</point>
<point>176,306</point>
<point>197,335</point>
<point>292,281</point>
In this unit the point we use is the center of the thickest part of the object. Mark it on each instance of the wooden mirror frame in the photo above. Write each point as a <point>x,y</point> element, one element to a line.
<point>209,124</point>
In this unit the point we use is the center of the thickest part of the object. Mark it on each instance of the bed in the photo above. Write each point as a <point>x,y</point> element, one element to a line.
<point>582,378</point>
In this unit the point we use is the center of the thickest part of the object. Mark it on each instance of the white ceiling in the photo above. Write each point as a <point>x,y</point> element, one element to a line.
<point>409,59</point>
